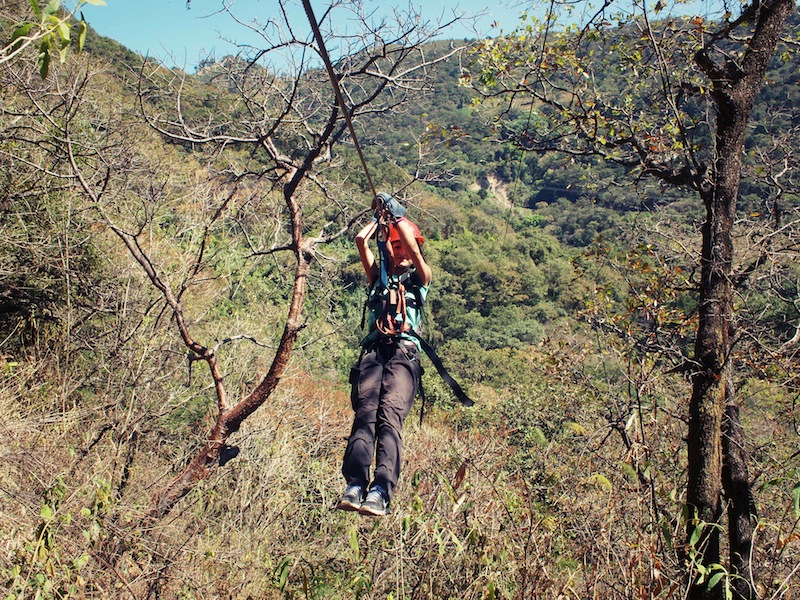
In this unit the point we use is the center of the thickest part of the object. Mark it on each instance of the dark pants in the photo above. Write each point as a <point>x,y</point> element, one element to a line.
<point>386,387</point>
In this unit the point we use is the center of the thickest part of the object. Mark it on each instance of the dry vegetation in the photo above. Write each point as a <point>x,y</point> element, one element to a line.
<point>482,511</point>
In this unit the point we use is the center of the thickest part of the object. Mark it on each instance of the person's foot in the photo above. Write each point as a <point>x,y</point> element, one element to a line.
<point>351,500</point>
<point>376,504</point>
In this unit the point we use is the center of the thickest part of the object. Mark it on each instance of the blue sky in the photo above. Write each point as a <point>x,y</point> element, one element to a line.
<point>166,30</point>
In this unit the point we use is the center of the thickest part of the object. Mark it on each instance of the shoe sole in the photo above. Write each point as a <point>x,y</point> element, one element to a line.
<point>371,512</point>
<point>348,506</point>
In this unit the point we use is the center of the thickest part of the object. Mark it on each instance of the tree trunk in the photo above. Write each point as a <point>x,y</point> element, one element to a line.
<point>708,393</point>
<point>734,87</point>
<point>741,508</point>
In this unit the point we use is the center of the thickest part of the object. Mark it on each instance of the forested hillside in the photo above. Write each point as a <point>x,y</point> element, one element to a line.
<point>181,301</point>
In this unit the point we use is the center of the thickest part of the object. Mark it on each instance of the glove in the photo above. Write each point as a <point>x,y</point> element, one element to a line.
<point>392,206</point>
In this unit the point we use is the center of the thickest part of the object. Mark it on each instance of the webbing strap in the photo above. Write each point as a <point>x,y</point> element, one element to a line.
<point>422,401</point>
<point>394,306</point>
<point>437,362</point>
<point>383,262</point>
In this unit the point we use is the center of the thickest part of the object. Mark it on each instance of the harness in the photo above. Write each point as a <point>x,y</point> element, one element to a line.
<point>390,302</point>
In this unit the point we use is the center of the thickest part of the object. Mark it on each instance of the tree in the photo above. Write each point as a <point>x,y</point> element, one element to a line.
<point>674,105</point>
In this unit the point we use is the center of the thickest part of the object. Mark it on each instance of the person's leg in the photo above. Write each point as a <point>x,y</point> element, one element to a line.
<point>400,379</point>
<point>361,444</point>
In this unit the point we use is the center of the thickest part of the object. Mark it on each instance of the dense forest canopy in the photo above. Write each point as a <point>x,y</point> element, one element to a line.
<point>181,302</point>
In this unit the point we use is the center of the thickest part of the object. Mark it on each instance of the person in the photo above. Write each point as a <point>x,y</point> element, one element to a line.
<point>386,378</point>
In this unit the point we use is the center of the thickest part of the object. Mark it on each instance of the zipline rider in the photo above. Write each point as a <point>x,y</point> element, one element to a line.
<point>386,379</point>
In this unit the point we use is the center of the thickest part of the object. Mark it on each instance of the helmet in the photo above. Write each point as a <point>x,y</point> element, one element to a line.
<point>394,234</point>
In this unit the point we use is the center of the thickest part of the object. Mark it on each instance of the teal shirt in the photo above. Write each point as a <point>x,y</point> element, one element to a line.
<point>413,314</point>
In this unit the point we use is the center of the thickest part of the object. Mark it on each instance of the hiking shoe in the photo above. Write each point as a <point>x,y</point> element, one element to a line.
<point>376,504</point>
<point>351,500</point>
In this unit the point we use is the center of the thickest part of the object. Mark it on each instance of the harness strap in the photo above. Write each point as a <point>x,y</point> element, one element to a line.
<point>422,400</point>
<point>383,254</point>
<point>437,362</point>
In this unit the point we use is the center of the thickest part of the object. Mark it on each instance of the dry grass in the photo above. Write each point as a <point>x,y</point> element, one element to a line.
<point>467,521</point>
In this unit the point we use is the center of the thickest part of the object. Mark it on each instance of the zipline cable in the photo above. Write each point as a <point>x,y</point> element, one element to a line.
<point>337,90</point>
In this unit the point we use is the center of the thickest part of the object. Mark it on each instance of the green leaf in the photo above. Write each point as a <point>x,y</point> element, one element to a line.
<point>63,32</point>
<point>459,546</point>
<point>52,7</point>
<point>35,7</point>
<point>575,428</point>
<point>538,437</point>
<point>666,531</point>
<point>80,562</point>
<point>601,482</point>
<point>438,535</point>
<point>696,533</point>
<point>352,535</point>
<point>796,498</point>
<point>46,513</point>
<point>714,579</point>
<point>44,59</point>
<point>701,569</point>
<point>20,32</point>
<point>283,569</point>
<point>82,35</point>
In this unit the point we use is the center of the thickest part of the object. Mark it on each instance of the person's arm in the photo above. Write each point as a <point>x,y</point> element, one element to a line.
<point>412,250</point>
<point>365,252</point>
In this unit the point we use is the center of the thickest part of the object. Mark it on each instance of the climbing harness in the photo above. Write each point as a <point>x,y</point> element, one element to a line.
<point>390,290</point>
<point>392,319</point>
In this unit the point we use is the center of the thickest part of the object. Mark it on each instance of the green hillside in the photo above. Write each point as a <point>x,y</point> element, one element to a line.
<point>153,236</point>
